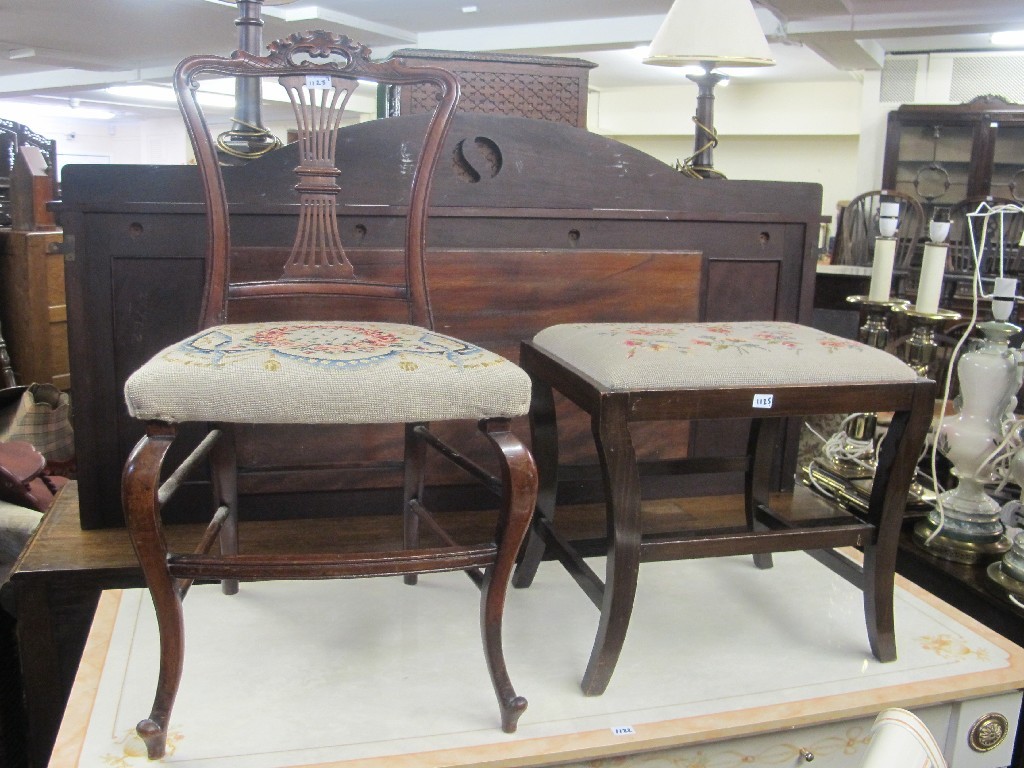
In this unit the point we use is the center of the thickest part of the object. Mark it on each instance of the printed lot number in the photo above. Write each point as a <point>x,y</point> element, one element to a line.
<point>318,81</point>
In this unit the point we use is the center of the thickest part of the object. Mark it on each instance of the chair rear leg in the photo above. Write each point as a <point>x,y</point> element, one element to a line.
<point>140,484</point>
<point>224,471</point>
<point>519,481</point>
<point>415,466</point>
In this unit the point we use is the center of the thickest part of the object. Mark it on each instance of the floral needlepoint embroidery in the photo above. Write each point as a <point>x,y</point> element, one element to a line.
<point>330,345</point>
<point>740,338</point>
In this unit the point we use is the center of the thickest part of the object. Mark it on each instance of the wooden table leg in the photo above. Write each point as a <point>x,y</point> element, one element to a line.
<point>40,668</point>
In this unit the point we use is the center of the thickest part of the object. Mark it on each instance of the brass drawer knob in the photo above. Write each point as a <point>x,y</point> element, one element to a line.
<point>988,732</point>
<point>806,755</point>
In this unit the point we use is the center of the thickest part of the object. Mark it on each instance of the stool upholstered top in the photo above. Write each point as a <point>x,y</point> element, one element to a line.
<point>631,356</point>
<point>325,373</point>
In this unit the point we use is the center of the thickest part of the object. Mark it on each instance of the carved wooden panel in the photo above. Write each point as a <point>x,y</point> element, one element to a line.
<point>543,88</point>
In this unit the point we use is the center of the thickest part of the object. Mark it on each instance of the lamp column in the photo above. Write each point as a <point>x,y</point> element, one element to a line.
<point>705,137</point>
<point>247,138</point>
<point>965,525</point>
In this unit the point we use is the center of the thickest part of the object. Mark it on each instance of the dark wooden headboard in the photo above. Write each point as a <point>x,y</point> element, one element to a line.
<point>544,222</point>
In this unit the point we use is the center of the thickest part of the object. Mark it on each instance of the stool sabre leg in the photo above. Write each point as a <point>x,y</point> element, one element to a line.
<point>544,432</point>
<point>758,477</point>
<point>622,493</point>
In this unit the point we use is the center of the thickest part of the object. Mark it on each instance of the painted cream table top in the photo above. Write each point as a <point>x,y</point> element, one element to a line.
<point>340,673</point>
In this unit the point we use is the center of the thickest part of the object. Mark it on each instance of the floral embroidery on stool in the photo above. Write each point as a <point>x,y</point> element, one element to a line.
<point>691,338</point>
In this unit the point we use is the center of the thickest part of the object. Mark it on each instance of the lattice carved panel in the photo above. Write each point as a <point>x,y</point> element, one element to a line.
<point>541,97</point>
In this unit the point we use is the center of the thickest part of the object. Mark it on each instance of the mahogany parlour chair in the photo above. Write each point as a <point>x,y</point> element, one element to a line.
<point>318,367</point>
<point>623,374</point>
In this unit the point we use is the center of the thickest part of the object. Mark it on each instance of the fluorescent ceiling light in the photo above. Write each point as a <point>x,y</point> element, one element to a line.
<point>163,94</point>
<point>271,89</point>
<point>215,92</point>
<point>1009,37</point>
<point>19,110</point>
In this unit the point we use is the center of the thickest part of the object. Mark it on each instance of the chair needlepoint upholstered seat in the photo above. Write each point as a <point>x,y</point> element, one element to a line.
<point>318,366</point>
<point>763,371</point>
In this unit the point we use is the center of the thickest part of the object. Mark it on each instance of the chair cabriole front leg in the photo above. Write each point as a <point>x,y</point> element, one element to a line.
<point>519,476</point>
<point>139,495</point>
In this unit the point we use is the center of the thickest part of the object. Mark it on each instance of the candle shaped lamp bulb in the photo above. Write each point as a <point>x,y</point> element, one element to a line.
<point>1003,297</point>
<point>938,231</point>
<point>889,210</point>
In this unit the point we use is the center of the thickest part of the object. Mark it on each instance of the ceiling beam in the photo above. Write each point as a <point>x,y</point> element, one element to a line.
<point>596,34</point>
<point>293,14</point>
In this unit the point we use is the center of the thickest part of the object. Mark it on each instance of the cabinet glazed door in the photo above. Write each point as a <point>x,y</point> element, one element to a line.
<point>1008,162</point>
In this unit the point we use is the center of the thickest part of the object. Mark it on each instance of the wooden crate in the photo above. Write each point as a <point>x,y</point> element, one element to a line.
<point>32,306</point>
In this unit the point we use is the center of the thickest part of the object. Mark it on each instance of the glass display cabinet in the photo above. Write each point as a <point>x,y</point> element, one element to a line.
<point>942,154</point>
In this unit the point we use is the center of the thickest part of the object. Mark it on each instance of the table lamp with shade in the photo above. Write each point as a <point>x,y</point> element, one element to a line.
<point>710,34</point>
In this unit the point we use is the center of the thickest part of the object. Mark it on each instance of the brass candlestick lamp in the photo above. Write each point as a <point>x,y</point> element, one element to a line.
<point>846,466</point>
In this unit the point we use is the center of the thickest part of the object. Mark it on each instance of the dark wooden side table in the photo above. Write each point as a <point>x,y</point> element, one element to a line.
<point>966,587</point>
<point>52,594</point>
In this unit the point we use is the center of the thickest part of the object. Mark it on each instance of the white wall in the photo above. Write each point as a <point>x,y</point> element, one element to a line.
<point>832,133</point>
<point>827,160</point>
<point>780,131</point>
<point>158,141</point>
<point>770,131</point>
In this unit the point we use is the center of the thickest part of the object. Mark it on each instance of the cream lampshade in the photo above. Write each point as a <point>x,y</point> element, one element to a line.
<point>709,33</point>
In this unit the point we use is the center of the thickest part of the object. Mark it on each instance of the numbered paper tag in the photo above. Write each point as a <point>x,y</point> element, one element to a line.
<point>763,401</point>
<point>318,81</point>
<point>623,730</point>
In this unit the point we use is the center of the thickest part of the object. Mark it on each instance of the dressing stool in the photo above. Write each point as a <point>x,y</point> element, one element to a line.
<point>621,373</point>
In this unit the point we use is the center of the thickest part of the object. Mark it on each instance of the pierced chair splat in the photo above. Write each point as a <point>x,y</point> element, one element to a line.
<point>319,366</point>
